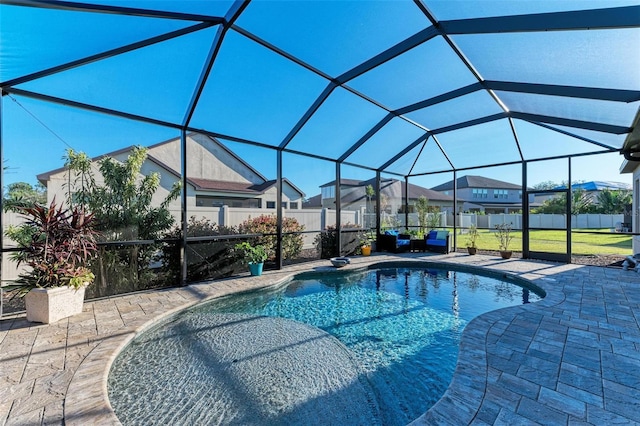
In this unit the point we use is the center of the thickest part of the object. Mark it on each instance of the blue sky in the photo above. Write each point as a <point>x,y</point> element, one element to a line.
<point>256,94</point>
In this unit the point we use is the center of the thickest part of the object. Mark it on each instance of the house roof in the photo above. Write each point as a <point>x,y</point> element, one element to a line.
<point>471,181</point>
<point>313,202</point>
<point>416,191</point>
<point>393,188</point>
<point>598,185</point>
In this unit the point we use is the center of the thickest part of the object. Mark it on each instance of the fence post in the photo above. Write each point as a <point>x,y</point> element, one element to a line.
<point>323,219</point>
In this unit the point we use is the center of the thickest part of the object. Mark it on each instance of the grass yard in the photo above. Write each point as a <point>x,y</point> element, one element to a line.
<point>555,242</point>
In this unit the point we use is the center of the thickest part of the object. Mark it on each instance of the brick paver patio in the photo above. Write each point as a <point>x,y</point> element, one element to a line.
<point>573,358</point>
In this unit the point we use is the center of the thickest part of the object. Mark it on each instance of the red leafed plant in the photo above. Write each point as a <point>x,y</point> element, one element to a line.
<point>57,244</point>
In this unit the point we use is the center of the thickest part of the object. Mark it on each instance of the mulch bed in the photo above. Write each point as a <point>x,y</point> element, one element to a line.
<point>605,260</point>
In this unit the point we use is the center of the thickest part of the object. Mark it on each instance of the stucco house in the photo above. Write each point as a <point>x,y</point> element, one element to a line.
<point>354,196</point>
<point>482,194</point>
<point>216,176</point>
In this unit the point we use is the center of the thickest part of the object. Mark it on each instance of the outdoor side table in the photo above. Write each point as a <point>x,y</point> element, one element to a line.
<point>418,245</point>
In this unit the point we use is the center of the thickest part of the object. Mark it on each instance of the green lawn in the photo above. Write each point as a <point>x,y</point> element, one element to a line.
<point>555,242</point>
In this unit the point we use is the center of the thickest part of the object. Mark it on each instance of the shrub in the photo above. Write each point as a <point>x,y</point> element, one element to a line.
<point>207,259</point>
<point>57,245</point>
<point>325,242</point>
<point>267,225</point>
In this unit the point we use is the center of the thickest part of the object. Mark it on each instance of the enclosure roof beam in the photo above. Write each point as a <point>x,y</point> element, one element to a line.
<point>366,137</point>
<point>308,114</point>
<point>573,135</point>
<point>615,17</point>
<point>615,95</point>
<point>404,151</point>
<point>474,87</point>
<point>470,123</point>
<point>107,54</point>
<point>89,107</point>
<point>234,12</point>
<point>394,51</point>
<point>569,122</point>
<point>116,10</point>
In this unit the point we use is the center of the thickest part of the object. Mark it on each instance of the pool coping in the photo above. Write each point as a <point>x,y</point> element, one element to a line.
<point>471,395</point>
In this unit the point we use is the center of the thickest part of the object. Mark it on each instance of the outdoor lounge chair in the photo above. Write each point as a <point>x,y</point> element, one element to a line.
<point>437,241</point>
<point>394,242</point>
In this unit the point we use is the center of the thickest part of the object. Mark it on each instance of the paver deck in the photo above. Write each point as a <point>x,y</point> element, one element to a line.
<point>572,358</point>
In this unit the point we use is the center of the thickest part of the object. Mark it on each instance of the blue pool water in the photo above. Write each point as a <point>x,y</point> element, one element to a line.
<point>272,357</point>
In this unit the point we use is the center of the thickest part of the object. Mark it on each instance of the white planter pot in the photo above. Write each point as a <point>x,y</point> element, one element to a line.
<point>49,305</point>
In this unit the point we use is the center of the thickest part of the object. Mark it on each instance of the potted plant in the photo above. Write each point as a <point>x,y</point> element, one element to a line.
<point>472,239</point>
<point>503,234</point>
<point>365,245</point>
<point>253,255</point>
<point>57,245</point>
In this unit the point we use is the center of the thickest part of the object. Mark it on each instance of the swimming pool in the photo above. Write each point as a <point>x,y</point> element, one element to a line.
<point>271,357</point>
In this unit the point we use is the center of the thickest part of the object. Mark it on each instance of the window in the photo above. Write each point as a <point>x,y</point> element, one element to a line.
<point>479,193</point>
<point>445,192</point>
<point>500,193</point>
<point>329,192</point>
<point>215,201</point>
<point>284,204</point>
<point>520,194</point>
<point>271,204</point>
<point>293,205</point>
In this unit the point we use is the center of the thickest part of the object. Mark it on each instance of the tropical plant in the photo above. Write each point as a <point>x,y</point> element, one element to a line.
<point>614,201</point>
<point>124,211</point>
<point>503,234</point>
<point>422,206</point>
<point>581,203</point>
<point>250,253</point>
<point>369,192</point>
<point>472,236</point>
<point>266,225</point>
<point>433,220</point>
<point>56,244</point>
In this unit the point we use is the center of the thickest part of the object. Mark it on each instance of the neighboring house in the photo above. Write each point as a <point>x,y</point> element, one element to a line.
<point>354,196</point>
<point>481,194</point>
<point>217,176</point>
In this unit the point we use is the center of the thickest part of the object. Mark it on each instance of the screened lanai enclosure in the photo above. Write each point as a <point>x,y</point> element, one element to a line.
<point>187,127</point>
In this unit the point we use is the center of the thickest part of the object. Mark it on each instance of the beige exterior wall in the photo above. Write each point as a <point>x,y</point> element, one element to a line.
<point>207,160</point>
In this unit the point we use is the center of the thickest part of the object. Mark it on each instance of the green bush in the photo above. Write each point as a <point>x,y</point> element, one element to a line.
<point>207,259</point>
<point>267,224</point>
<point>325,242</point>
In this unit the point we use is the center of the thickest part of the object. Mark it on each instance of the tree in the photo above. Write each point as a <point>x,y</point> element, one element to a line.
<point>23,194</point>
<point>581,203</point>
<point>614,201</point>
<point>124,211</point>
<point>292,240</point>
<point>422,206</point>
<point>542,186</point>
<point>369,193</point>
